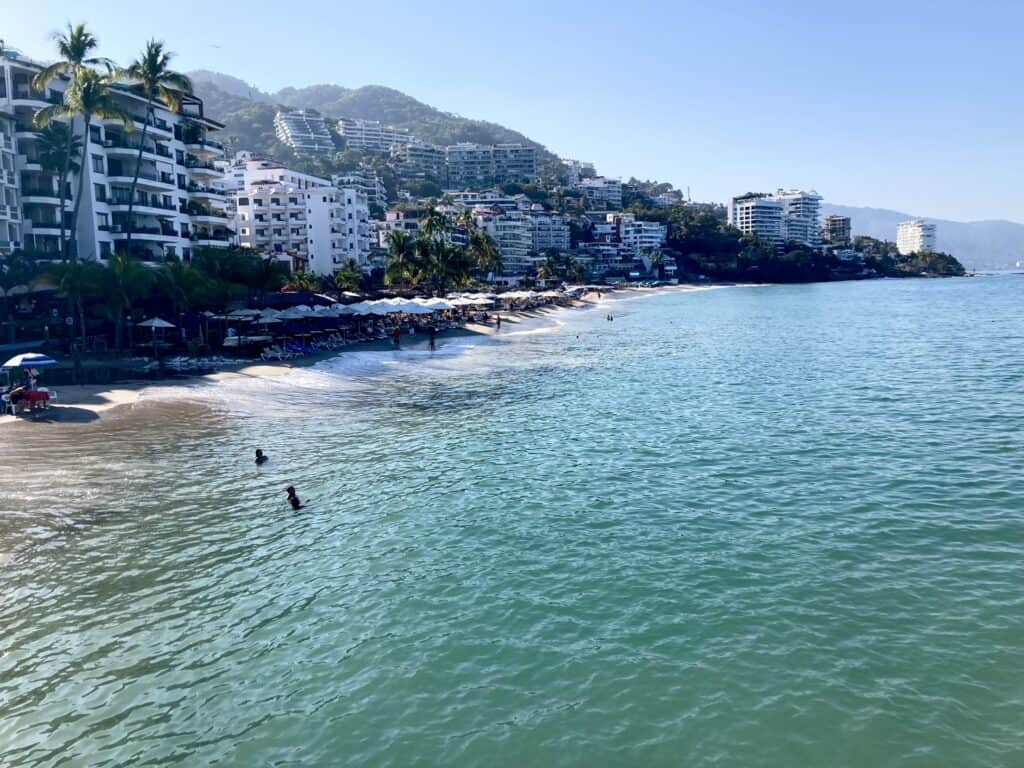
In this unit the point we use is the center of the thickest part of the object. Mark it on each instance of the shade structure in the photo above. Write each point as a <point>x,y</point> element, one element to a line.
<point>239,314</point>
<point>155,322</point>
<point>29,360</point>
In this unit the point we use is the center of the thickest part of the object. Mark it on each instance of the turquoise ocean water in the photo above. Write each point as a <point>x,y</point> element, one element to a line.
<point>759,526</point>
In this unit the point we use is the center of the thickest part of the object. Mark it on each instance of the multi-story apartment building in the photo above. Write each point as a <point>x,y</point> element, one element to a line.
<point>305,131</point>
<point>577,170</point>
<point>355,225</point>
<point>837,230</point>
<point>371,136</point>
<point>513,232</point>
<point>178,204</point>
<point>405,220</point>
<point>549,230</point>
<point>514,163</point>
<point>472,166</point>
<point>246,170</point>
<point>915,236</point>
<point>636,237</point>
<point>469,165</point>
<point>10,204</point>
<point>801,211</point>
<point>321,226</point>
<point>601,194</point>
<point>758,214</point>
<point>366,182</point>
<point>493,198</point>
<point>419,161</point>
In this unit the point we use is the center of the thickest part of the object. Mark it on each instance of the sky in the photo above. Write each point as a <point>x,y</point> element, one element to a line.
<point>914,106</point>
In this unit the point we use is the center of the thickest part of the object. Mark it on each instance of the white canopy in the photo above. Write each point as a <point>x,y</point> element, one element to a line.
<point>156,322</point>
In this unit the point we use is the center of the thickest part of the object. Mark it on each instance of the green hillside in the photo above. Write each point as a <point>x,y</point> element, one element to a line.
<point>248,113</point>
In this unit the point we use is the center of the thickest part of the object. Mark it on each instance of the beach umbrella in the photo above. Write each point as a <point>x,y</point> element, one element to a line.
<point>29,360</point>
<point>153,323</point>
<point>241,314</point>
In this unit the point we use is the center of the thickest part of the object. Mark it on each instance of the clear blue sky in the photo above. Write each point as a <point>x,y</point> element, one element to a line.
<point>902,104</point>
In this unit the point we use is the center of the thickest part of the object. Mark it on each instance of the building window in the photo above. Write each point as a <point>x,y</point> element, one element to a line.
<point>245,230</point>
<point>101,192</point>
<point>104,250</point>
<point>243,201</point>
<point>94,134</point>
<point>97,163</point>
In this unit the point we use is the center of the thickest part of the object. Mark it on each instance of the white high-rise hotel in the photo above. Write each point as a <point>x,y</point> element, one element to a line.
<point>915,236</point>
<point>301,219</point>
<point>178,203</point>
<point>788,215</point>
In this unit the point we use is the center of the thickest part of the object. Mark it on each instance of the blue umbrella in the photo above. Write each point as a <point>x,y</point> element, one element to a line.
<point>29,360</point>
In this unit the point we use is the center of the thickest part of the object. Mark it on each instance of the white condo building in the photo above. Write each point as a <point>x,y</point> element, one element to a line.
<point>549,230</point>
<point>577,170</point>
<point>246,170</point>
<point>915,236</point>
<point>758,214</point>
<point>371,136</point>
<point>479,165</point>
<point>513,232</point>
<point>601,194</point>
<point>366,182</point>
<point>636,237</point>
<point>305,131</point>
<point>312,225</point>
<point>178,203</point>
<point>801,213</point>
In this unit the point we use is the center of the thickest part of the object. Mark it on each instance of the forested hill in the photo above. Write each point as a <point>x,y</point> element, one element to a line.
<point>249,112</point>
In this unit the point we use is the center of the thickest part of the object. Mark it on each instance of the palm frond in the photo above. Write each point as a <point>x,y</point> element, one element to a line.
<point>53,112</point>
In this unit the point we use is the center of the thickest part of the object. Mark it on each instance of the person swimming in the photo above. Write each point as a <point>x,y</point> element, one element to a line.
<point>293,497</point>
<point>260,458</point>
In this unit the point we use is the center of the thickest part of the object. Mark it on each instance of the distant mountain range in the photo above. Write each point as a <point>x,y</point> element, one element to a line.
<point>977,244</point>
<point>249,112</point>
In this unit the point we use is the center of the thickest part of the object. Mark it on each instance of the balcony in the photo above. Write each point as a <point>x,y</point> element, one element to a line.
<point>46,195</point>
<point>147,177</point>
<point>144,233</point>
<point>142,204</point>
<point>156,124</point>
<point>24,96</point>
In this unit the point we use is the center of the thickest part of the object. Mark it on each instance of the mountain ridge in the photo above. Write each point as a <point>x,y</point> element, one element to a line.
<point>245,109</point>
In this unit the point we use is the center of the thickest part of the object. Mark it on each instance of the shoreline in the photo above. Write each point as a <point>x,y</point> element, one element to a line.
<point>87,403</point>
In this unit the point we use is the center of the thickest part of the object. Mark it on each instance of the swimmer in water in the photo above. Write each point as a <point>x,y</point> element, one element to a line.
<point>260,458</point>
<point>293,498</point>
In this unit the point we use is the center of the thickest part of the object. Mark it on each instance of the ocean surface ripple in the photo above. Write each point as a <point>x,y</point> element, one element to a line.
<point>766,526</point>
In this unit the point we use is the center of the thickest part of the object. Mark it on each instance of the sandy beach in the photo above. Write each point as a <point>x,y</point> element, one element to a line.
<point>87,403</point>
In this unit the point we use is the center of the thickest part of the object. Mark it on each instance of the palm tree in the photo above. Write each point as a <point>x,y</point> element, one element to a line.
<point>88,96</point>
<point>54,141</point>
<point>399,267</point>
<point>303,282</point>
<point>153,78</point>
<point>74,47</point>
<point>349,277</point>
<point>434,224</point>
<point>78,280</point>
<point>484,252</point>
<point>126,280</point>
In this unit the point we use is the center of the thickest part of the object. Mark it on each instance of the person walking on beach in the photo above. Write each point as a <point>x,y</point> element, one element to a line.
<point>497,321</point>
<point>293,497</point>
<point>432,335</point>
<point>396,337</point>
<point>260,458</point>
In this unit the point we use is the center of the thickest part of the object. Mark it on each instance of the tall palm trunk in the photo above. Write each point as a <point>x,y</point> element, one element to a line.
<point>62,192</point>
<point>135,178</point>
<point>81,188</point>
